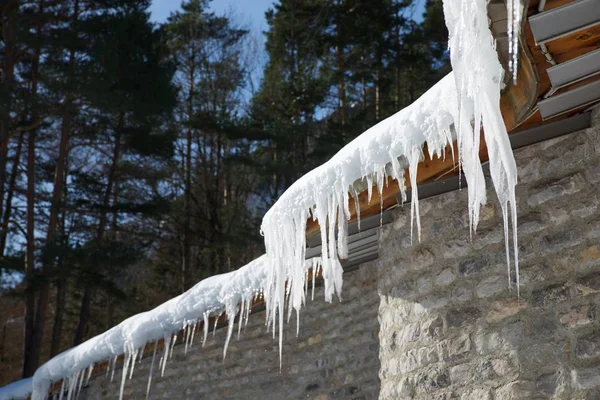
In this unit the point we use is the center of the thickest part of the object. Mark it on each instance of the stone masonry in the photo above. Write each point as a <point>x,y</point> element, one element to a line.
<point>334,356</point>
<point>451,328</point>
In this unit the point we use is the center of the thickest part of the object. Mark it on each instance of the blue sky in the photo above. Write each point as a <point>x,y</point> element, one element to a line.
<point>247,12</point>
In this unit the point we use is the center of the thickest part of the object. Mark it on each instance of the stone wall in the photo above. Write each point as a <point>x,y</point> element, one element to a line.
<point>450,328</point>
<point>334,356</point>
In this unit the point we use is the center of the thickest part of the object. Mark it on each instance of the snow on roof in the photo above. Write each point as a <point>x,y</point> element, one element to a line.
<point>17,390</point>
<point>211,296</point>
<point>455,108</point>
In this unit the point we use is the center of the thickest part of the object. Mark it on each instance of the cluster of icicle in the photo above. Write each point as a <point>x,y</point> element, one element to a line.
<point>231,293</point>
<point>464,100</point>
<point>454,109</point>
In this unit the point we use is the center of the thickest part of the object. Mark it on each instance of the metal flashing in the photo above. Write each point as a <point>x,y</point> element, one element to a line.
<point>561,21</point>
<point>575,70</point>
<point>575,98</point>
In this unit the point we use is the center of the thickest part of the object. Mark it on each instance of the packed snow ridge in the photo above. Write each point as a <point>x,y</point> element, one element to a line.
<point>456,108</point>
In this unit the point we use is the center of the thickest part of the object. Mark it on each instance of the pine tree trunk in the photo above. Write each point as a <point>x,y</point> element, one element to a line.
<point>61,296</point>
<point>9,196</point>
<point>186,273</point>
<point>61,288</point>
<point>7,17</point>
<point>31,351</point>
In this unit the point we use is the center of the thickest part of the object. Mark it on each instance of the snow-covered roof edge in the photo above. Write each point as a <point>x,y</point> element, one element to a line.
<point>231,293</point>
<point>17,390</point>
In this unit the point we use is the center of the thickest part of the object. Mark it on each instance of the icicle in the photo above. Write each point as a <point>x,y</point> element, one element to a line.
<point>72,384</point>
<point>515,244</point>
<point>230,325</point>
<point>241,318</point>
<point>248,310</point>
<point>133,358</point>
<point>369,188</point>
<point>172,346</point>
<point>78,392</point>
<point>126,362</point>
<point>216,322</point>
<point>478,76</point>
<point>142,352</point>
<point>356,206</point>
<point>193,332</point>
<point>315,269</point>
<point>507,249</point>
<point>306,284</point>
<point>62,390</point>
<point>206,328</point>
<point>186,338</point>
<point>114,366</point>
<point>165,355</point>
<point>89,375</point>
<point>414,203</point>
<point>151,369</point>
<point>513,29</point>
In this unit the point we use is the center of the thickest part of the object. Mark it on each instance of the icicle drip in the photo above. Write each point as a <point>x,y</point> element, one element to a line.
<point>165,356</point>
<point>316,264</point>
<point>81,378</point>
<point>89,375</point>
<point>230,325</point>
<point>513,29</point>
<point>241,318</point>
<point>215,324</point>
<point>133,358</point>
<point>127,360</point>
<point>186,338</point>
<point>248,310</point>
<point>206,328</point>
<point>62,390</point>
<point>142,352</point>
<point>172,346</point>
<point>193,332</point>
<point>151,369</point>
<point>478,75</point>
<point>114,366</point>
<point>356,206</point>
<point>72,385</point>
<point>414,159</point>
